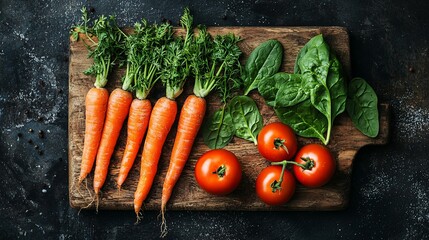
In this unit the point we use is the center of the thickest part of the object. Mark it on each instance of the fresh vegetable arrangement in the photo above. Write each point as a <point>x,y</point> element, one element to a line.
<point>306,102</point>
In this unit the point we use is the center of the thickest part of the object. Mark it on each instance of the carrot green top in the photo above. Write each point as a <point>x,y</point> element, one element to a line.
<point>106,50</point>
<point>176,64</point>
<point>215,63</point>
<point>145,50</point>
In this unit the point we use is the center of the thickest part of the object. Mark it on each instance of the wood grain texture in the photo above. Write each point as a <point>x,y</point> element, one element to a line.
<point>346,140</point>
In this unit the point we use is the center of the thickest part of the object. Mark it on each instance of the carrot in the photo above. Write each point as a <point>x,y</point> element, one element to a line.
<point>138,121</point>
<point>191,118</point>
<point>174,72</point>
<point>117,111</point>
<point>104,52</point>
<point>162,118</point>
<point>95,112</point>
<point>144,49</point>
<point>215,65</point>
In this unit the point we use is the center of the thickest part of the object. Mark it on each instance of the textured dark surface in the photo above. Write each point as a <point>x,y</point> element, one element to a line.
<point>389,195</point>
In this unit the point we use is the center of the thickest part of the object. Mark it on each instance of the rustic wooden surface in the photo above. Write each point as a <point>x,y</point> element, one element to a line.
<point>346,140</point>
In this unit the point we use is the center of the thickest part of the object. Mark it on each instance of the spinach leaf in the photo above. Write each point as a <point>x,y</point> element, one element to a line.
<point>313,63</point>
<point>330,96</point>
<point>362,106</point>
<point>322,79</point>
<point>263,62</point>
<point>337,87</point>
<point>315,41</point>
<point>304,119</point>
<point>247,119</point>
<point>282,90</point>
<point>313,59</point>
<point>218,130</point>
<point>268,89</point>
<point>292,92</point>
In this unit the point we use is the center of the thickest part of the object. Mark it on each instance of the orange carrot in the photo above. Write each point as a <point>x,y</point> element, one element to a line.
<point>138,121</point>
<point>95,112</point>
<point>145,50</point>
<point>117,111</point>
<point>215,65</point>
<point>162,118</point>
<point>104,52</point>
<point>191,118</point>
<point>174,72</point>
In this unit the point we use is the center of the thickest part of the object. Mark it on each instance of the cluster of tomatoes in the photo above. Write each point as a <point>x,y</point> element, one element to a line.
<point>219,171</point>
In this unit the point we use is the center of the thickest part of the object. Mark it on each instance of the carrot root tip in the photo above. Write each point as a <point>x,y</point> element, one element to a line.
<point>119,190</point>
<point>87,189</point>
<point>139,217</point>
<point>87,206</point>
<point>97,199</point>
<point>164,229</point>
<point>77,187</point>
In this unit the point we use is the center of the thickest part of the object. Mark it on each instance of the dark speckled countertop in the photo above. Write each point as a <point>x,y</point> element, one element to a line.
<point>390,190</point>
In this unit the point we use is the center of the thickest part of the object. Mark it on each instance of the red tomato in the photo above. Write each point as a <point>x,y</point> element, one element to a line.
<point>265,186</point>
<point>322,169</point>
<point>218,172</point>
<point>277,142</point>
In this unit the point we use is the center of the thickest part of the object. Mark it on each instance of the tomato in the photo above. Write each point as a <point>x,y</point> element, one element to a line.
<point>320,162</point>
<point>218,172</point>
<point>268,189</point>
<point>277,142</point>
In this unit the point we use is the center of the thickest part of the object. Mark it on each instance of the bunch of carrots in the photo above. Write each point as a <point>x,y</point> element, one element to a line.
<point>151,54</point>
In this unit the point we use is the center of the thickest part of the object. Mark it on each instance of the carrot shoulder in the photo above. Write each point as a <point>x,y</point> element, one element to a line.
<point>117,111</point>
<point>161,119</point>
<point>191,118</point>
<point>138,121</point>
<point>95,113</point>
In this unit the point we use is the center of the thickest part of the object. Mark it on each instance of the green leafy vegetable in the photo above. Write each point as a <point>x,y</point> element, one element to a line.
<point>282,90</point>
<point>306,120</point>
<point>311,99</point>
<point>323,80</point>
<point>218,130</point>
<point>362,106</point>
<point>337,87</point>
<point>246,118</point>
<point>247,121</point>
<point>319,51</point>
<point>263,62</point>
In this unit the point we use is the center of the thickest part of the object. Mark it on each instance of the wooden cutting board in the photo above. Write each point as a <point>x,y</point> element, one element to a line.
<point>346,139</point>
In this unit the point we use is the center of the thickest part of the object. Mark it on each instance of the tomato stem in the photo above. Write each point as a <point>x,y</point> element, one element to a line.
<point>277,185</point>
<point>220,171</point>
<point>308,165</point>
<point>279,143</point>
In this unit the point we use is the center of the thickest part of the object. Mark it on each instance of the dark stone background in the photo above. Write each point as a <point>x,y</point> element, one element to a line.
<point>389,195</point>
